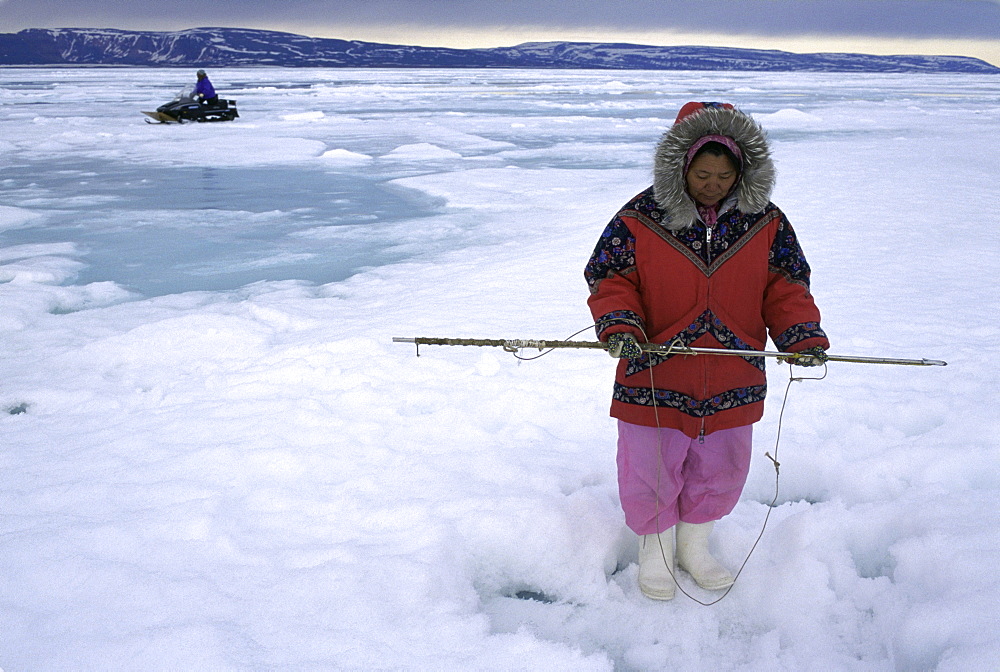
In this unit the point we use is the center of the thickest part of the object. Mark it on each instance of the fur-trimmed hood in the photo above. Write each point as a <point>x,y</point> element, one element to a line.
<point>753,192</point>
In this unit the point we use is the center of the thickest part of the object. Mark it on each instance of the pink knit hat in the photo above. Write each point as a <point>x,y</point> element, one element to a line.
<point>724,140</point>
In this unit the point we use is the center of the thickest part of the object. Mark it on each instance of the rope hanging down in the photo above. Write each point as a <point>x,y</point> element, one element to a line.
<point>677,348</point>
<point>514,345</point>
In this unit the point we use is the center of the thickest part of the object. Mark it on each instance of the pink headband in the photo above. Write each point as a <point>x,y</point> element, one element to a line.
<point>724,140</point>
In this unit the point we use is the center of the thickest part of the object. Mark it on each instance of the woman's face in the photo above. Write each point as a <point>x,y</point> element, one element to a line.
<point>709,178</point>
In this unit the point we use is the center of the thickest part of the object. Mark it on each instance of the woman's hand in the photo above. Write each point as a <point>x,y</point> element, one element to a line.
<point>809,357</point>
<point>624,346</point>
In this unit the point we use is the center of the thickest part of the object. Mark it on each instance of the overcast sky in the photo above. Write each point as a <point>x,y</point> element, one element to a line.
<point>964,27</point>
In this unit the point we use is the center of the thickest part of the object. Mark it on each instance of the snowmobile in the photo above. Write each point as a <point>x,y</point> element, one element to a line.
<point>184,107</point>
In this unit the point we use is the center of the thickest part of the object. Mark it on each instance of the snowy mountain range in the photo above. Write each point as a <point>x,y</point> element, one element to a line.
<point>214,47</point>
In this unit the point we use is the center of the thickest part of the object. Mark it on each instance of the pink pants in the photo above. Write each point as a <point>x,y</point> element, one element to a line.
<point>698,480</point>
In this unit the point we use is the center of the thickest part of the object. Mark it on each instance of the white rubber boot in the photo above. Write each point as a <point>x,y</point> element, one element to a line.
<point>656,562</point>
<point>694,558</point>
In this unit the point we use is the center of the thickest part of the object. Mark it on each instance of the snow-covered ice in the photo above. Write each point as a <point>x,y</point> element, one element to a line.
<point>213,456</point>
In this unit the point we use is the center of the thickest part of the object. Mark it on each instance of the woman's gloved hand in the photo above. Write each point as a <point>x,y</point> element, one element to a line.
<point>809,357</point>
<point>624,346</point>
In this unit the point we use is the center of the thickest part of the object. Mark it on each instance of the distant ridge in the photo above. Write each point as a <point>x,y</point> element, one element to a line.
<point>215,47</point>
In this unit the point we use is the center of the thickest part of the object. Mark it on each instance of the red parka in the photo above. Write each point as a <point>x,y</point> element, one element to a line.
<point>660,273</point>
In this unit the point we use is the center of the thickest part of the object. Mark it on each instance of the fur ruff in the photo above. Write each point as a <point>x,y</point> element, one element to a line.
<point>753,192</point>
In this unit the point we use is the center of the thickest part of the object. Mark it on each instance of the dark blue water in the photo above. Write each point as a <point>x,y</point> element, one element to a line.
<point>160,230</point>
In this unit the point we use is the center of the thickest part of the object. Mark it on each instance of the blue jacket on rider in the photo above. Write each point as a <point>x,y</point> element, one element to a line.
<point>204,88</point>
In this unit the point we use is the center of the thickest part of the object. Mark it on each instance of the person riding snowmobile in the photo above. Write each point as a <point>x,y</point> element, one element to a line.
<point>204,92</point>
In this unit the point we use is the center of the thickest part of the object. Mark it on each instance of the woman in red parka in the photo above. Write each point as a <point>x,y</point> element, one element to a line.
<point>704,259</point>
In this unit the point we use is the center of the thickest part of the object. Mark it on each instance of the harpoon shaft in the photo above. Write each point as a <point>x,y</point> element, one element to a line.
<point>518,344</point>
